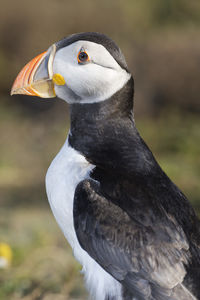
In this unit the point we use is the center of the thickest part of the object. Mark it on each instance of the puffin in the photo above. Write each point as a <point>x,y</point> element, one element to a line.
<point>133,231</point>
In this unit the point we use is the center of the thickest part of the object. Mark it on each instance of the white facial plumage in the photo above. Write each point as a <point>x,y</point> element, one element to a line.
<point>93,81</point>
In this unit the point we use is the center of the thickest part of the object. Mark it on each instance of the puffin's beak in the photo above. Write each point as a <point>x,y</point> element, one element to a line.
<point>36,77</point>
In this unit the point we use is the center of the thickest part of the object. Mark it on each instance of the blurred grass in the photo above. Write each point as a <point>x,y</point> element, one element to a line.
<point>43,267</point>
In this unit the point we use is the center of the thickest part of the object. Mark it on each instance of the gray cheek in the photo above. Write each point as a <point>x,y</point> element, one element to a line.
<point>66,94</point>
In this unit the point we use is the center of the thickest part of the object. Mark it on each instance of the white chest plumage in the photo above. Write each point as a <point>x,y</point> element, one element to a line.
<point>67,169</point>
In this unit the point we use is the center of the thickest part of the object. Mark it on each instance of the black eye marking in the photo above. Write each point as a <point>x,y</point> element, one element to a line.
<point>82,57</point>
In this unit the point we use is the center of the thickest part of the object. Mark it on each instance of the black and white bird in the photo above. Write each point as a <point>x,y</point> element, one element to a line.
<point>133,231</point>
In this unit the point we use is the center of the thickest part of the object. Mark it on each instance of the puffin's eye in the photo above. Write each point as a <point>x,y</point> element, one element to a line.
<point>82,57</point>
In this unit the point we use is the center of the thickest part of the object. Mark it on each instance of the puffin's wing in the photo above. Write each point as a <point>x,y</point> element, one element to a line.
<point>149,261</point>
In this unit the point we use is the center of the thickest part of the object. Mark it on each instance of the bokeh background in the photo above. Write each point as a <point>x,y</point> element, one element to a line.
<point>161,41</point>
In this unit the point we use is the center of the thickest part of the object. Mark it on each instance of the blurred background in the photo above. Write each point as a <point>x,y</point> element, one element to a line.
<point>160,40</point>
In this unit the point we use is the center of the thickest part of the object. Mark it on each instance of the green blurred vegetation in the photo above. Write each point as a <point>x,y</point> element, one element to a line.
<point>160,40</point>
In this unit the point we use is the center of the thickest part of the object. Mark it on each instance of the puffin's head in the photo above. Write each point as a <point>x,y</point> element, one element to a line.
<point>82,68</point>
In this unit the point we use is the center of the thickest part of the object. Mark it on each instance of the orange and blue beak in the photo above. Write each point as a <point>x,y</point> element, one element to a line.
<point>36,78</point>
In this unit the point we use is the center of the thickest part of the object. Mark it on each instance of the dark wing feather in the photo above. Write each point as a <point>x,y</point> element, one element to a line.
<point>148,260</point>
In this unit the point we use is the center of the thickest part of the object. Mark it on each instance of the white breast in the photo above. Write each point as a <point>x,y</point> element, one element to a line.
<point>67,169</point>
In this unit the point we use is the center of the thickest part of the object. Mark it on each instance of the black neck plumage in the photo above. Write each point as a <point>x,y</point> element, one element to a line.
<point>106,135</point>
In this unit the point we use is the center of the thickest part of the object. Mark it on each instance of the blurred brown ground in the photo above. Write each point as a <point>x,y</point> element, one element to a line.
<point>161,42</point>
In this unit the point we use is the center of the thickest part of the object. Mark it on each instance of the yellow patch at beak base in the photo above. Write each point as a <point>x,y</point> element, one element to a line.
<point>58,79</point>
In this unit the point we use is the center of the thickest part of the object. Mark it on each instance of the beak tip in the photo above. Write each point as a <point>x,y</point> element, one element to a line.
<point>19,91</point>
<point>12,92</point>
